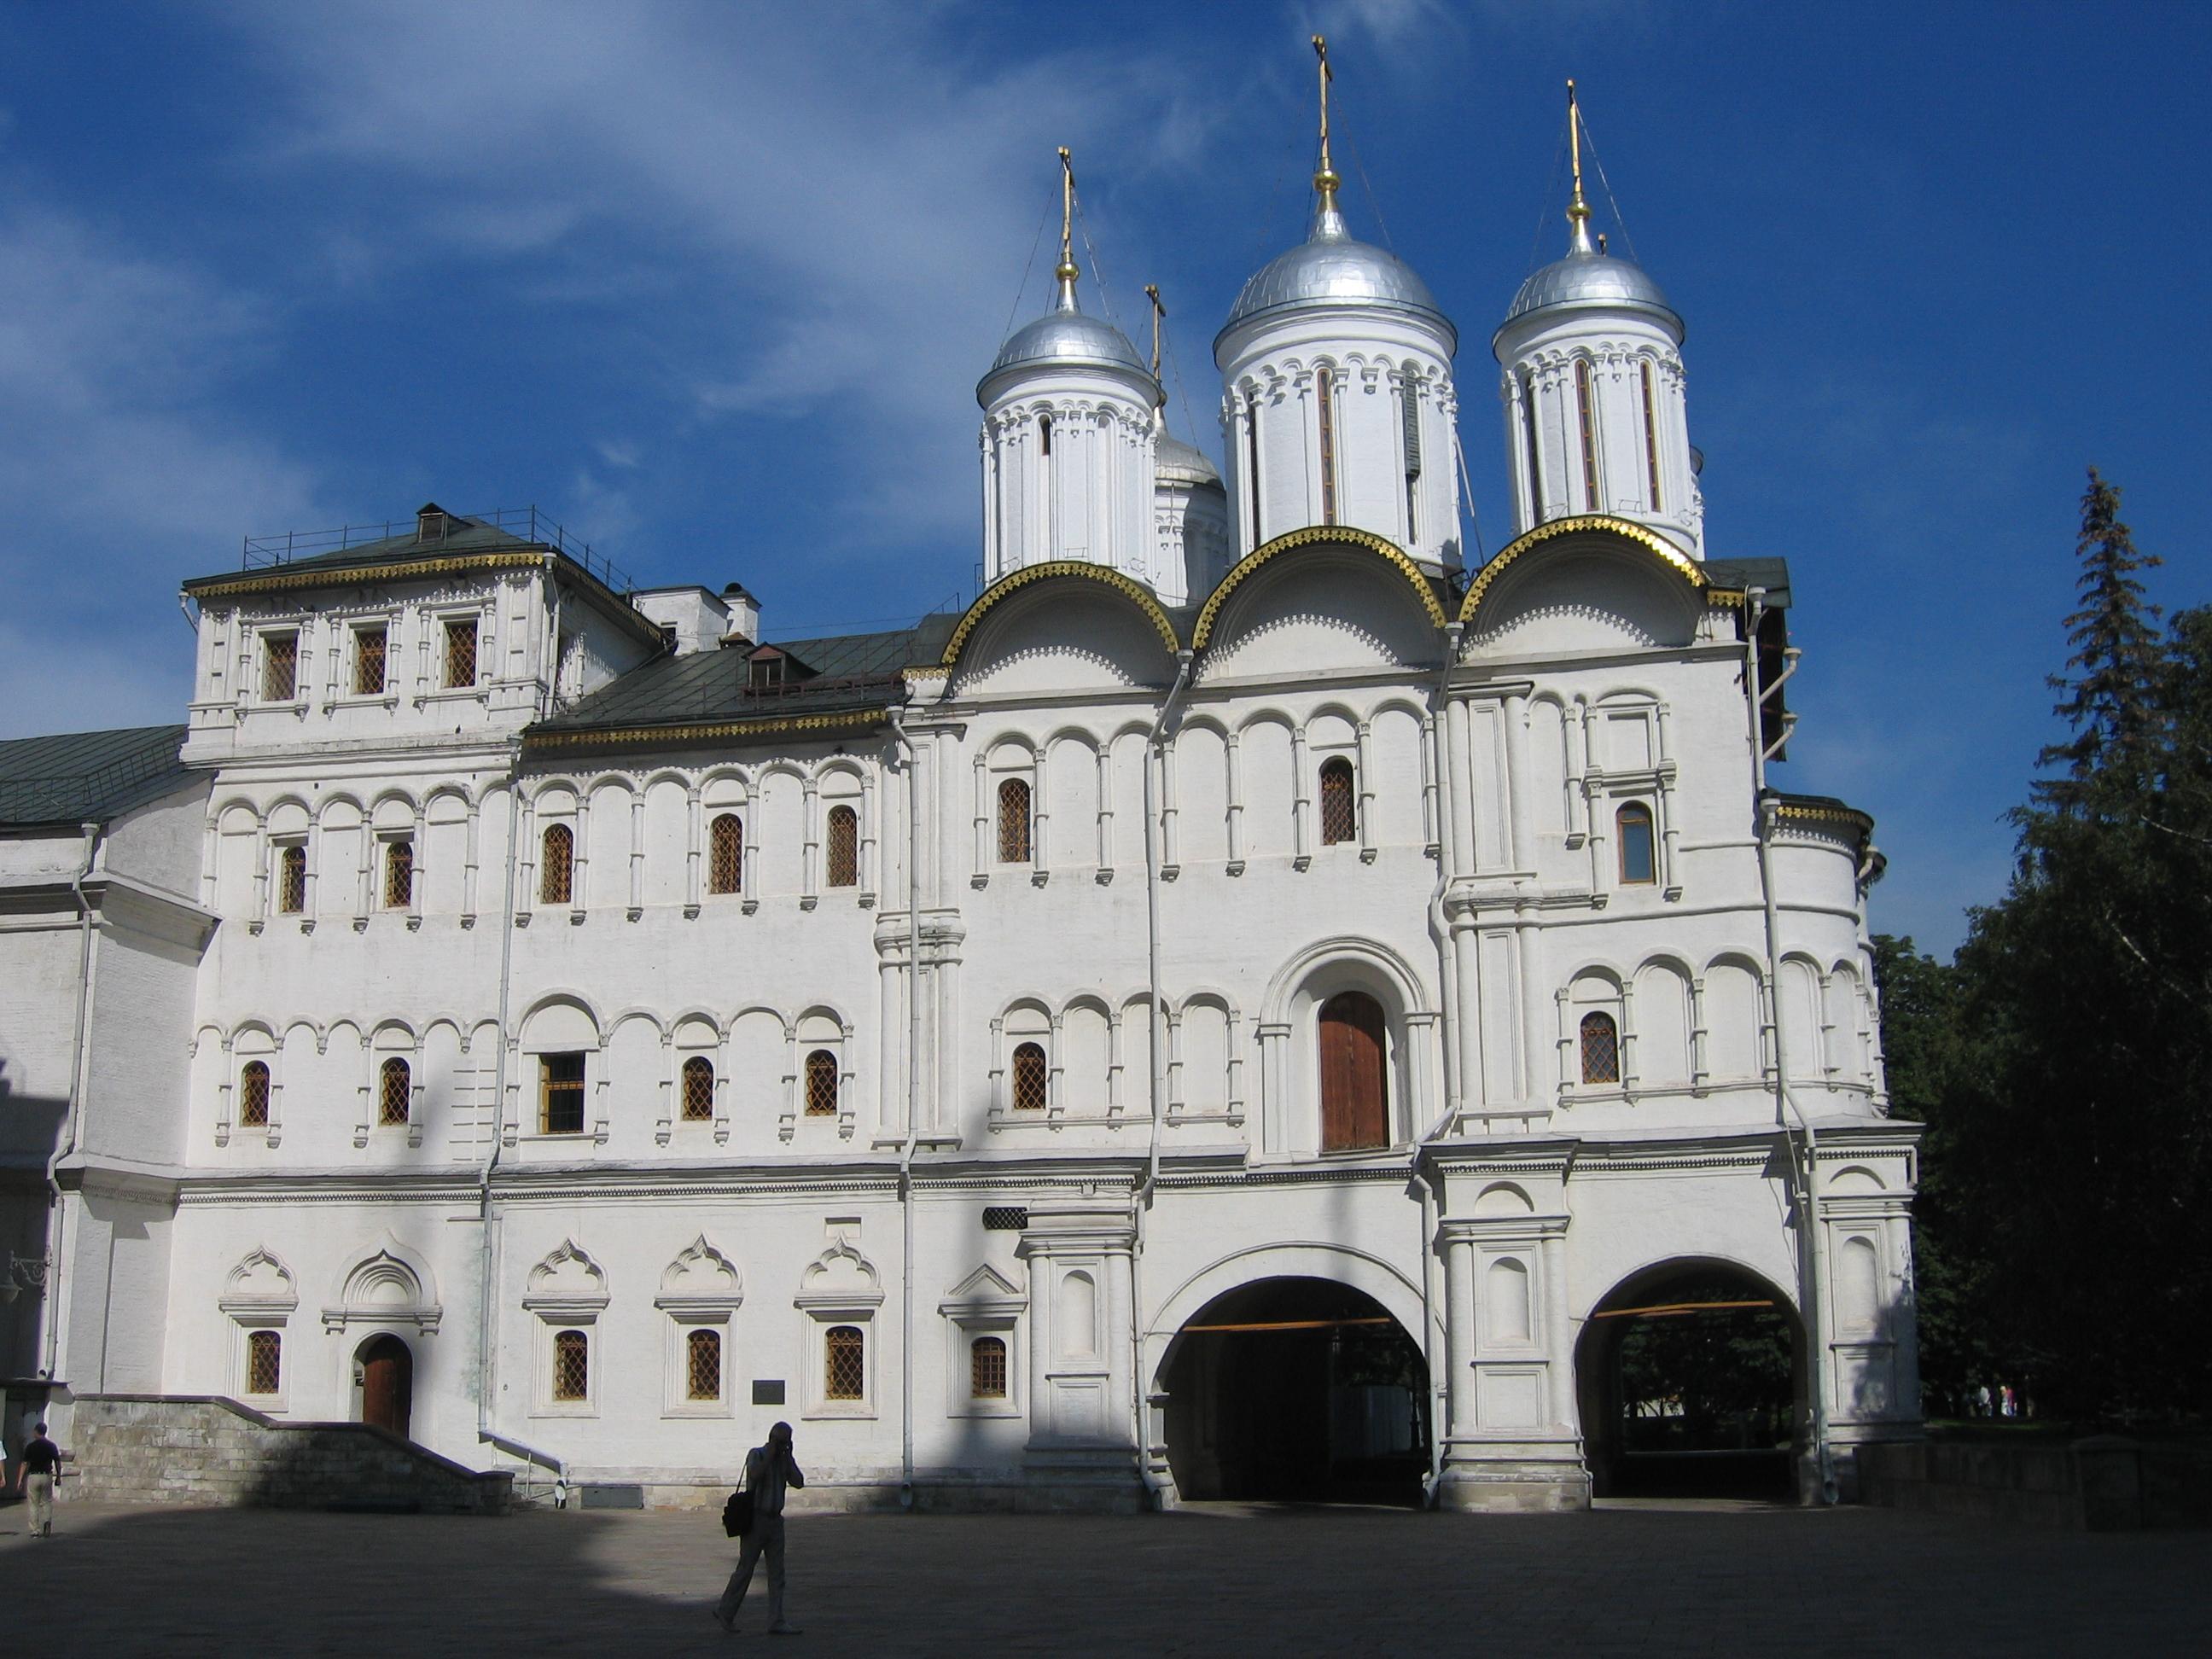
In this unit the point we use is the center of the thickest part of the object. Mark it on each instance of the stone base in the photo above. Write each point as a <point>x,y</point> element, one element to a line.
<point>1541,1477</point>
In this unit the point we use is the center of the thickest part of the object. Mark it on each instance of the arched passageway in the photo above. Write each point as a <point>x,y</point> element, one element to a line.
<point>1297,1388</point>
<point>386,1372</point>
<point>1690,1377</point>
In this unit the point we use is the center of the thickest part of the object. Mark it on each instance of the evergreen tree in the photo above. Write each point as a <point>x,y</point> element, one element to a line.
<point>2114,634</point>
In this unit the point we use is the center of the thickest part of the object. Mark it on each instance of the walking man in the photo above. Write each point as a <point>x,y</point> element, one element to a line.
<point>41,1459</point>
<point>769,1471</point>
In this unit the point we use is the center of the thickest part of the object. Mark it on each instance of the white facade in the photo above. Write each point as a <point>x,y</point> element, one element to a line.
<point>892,1111</point>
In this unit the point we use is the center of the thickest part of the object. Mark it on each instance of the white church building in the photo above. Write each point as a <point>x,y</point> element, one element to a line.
<point>1257,1005</point>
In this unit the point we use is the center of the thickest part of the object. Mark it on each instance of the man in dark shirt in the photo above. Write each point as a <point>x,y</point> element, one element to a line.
<point>41,1457</point>
<point>769,1470</point>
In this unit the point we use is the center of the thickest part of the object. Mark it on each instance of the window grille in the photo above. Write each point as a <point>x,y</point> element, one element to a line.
<point>1638,865</point>
<point>1601,1049</point>
<point>280,667</point>
<point>1005,1218</point>
<point>556,865</point>
<point>1589,433</point>
<point>291,880</point>
<point>1014,821</point>
<point>394,1084</point>
<point>702,1365</point>
<point>725,840</point>
<point>987,1368</point>
<point>844,850</point>
<point>1339,805</point>
<point>572,1365</point>
<point>698,1089</point>
<point>844,1364</point>
<point>1652,435</point>
<point>1029,1078</point>
<point>1325,405</point>
<point>561,1089</point>
<point>369,652</point>
<point>399,875</point>
<point>822,1083</point>
<point>461,652</point>
<point>254,1096</point>
<point>264,1362</point>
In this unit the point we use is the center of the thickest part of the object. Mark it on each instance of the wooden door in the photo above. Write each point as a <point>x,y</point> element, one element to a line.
<point>1354,1095</point>
<point>387,1384</point>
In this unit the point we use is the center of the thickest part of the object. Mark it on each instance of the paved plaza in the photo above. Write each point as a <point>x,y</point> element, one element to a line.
<point>1212,1581</point>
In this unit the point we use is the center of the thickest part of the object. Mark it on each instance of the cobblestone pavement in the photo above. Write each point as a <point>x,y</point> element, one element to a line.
<point>1214,1581</point>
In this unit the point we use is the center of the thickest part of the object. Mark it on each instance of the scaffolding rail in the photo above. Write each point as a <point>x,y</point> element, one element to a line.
<point>526,525</point>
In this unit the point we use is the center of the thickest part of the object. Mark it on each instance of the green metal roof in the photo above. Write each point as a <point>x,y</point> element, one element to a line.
<point>81,777</point>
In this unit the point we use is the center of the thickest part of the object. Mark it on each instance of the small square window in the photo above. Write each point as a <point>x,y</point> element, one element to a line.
<point>561,1088</point>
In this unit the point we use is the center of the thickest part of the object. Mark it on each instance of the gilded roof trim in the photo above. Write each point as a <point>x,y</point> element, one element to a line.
<point>1820,812</point>
<point>1650,540</point>
<point>707,733</point>
<point>1338,534</point>
<point>333,576</point>
<point>1126,587</point>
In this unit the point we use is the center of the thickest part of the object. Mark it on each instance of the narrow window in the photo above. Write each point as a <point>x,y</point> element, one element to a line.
<point>1652,435</point>
<point>556,864</point>
<point>726,853</point>
<point>1044,435</point>
<point>265,1364</point>
<point>1252,457</point>
<point>561,1094</point>
<point>398,874</point>
<point>254,1096</point>
<point>1590,434</point>
<point>393,1086</point>
<point>1029,1078</point>
<point>572,1365</point>
<point>1325,407</point>
<point>844,850</point>
<point>844,1364</point>
<point>1409,411</point>
<point>1633,824</point>
<point>1339,805</point>
<point>987,1369</point>
<point>368,661</point>
<point>698,1089</point>
<point>460,652</point>
<point>822,1083</point>
<point>291,880</point>
<point>1601,1049</point>
<point>1014,821</point>
<point>1354,1070</point>
<point>1535,452</point>
<point>280,667</point>
<point>702,1365</point>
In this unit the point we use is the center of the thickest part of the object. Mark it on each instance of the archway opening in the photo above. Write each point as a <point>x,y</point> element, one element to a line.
<point>1297,1388</point>
<point>387,1384</point>
<point>1690,1378</point>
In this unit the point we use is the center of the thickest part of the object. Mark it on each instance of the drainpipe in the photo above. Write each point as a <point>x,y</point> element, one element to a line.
<point>56,1212</point>
<point>1454,1088</point>
<point>1805,1142</point>
<point>913,1102</point>
<point>1159,1077</point>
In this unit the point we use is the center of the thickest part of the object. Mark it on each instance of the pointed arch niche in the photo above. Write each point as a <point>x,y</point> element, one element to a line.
<point>700,1294</point>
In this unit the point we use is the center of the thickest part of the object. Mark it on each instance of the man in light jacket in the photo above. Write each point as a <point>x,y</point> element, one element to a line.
<point>770,1470</point>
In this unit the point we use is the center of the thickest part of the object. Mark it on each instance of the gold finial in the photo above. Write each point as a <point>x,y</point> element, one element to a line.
<point>1066,273</point>
<point>1578,211</point>
<point>1159,316</point>
<point>1325,180</point>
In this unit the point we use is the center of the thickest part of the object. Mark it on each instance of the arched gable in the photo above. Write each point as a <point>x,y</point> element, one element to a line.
<point>1055,571</point>
<point>1591,582</point>
<point>1059,627</point>
<point>1325,597</point>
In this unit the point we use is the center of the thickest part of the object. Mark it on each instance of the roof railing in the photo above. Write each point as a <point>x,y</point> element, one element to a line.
<point>524,524</point>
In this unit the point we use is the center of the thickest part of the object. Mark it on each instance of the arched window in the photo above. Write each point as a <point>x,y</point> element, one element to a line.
<point>1044,435</point>
<point>1339,802</point>
<point>841,861</point>
<point>265,1362</point>
<point>1633,826</point>
<point>1584,414</point>
<point>254,1096</point>
<point>1652,435</point>
<point>987,1369</point>
<point>1029,1088</point>
<point>1325,408</point>
<point>822,1083</point>
<point>702,1365</point>
<point>1601,1049</point>
<point>1535,450</point>
<point>572,1365</point>
<point>725,854</point>
<point>291,880</point>
<point>393,1085</point>
<point>556,865</point>
<point>1354,1073</point>
<point>844,1364</point>
<point>1014,821</point>
<point>399,875</point>
<point>698,1089</point>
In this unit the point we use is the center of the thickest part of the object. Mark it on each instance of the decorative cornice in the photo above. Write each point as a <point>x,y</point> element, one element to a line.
<point>1334,534</point>
<point>1805,811</point>
<point>589,737</point>
<point>342,575</point>
<point>1669,554</point>
<point>1130,589</point>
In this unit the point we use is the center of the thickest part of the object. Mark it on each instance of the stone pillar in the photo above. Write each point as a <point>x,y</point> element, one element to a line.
<point>1083,1406</point>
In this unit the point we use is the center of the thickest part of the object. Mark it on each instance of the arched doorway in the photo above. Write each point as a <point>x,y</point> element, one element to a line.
<point>1690,1377</point>
<point>1355,1073</point>
<point>387,1384</point>
<point>1297,1388</point>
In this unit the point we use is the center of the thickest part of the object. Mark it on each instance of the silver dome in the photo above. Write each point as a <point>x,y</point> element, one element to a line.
<point>1330,269</point>
<point>1179,464</point>
<point>1065,335</point>
<point>1588,280</point>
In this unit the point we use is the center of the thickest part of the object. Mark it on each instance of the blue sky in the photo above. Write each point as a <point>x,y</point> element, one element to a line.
<point>713,284</point>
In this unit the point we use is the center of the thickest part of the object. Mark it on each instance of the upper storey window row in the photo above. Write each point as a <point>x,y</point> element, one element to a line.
<point>362,660</point>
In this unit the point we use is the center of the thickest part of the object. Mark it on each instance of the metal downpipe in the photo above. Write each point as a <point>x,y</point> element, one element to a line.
<point>913,1105</point>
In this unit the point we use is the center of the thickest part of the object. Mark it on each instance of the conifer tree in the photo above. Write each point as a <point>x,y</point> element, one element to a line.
<point>2115,638</point>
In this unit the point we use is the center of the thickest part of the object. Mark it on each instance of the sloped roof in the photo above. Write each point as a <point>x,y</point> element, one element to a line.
<point>80,777</point>
<point>463,536</point>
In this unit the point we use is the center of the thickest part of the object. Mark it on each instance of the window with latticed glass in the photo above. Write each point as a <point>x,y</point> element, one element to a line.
<point>280,667</point>
<point>572,1365</point>
<point>844,1363</point>
<point>369,655</point>
<point>264,1359</point>
<point>394,1084</point>
<point>1029,1078</point>
<point>822,1083</point>
<point>291,880</point>
<point>1601,1040</point>
<point>461,652</point>
<point>698,1089</point>
<point>399,875</point>
<point>1339,805</point>
<point>556,864</point>
<point>254,1096</point>
<point>1014,821</point>
<point>702,1365</point>
<point>842,863</point>
<point>987,1368</point>
<point>726,848</point>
